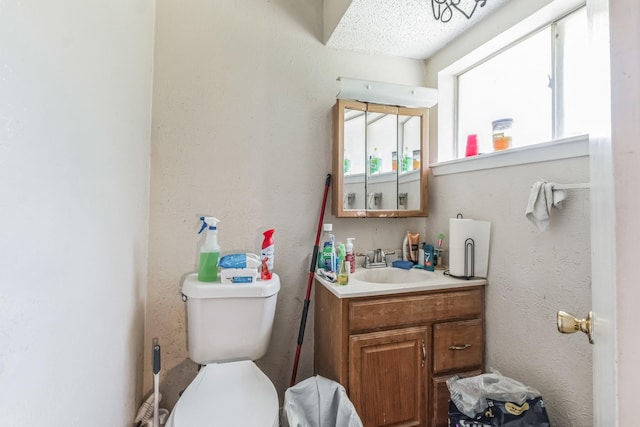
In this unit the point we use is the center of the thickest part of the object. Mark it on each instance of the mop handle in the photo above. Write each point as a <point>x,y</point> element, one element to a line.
<point>312,269</point>
<point>316,247</point>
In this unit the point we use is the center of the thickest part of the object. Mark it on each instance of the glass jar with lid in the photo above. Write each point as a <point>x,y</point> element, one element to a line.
<point>502,135</point>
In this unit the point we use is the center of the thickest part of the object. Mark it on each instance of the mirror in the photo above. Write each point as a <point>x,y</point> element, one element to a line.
<point>379,160</point>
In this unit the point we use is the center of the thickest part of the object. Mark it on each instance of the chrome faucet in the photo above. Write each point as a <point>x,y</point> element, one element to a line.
<point>378,256</point>
<point>378,259</point>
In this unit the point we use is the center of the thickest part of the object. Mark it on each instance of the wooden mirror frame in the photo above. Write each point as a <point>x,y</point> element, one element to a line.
<point>338,209</point>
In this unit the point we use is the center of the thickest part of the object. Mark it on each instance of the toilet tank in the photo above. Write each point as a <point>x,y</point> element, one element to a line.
<point>228,322</point>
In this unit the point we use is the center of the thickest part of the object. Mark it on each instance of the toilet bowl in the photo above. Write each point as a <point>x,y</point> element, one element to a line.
<point>228,327</point>
<point>227,395</point>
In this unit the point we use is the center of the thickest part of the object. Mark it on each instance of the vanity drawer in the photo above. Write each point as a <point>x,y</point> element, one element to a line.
<point>379,313</point>
<point>457,345</point>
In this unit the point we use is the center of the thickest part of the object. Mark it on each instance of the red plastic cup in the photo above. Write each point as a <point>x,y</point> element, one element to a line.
<point>472,145</point>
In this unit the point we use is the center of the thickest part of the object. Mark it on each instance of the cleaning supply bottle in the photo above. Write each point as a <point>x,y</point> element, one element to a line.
<point>324,256</point>
<point>350,256</point>
<point>268,251</point>
<point>327,248</point>
<point>209,251</point>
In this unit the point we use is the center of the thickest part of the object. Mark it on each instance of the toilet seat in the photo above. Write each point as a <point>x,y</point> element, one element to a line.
<point>227,395</point>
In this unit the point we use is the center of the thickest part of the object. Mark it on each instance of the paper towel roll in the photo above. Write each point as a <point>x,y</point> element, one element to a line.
<point>459,231</point>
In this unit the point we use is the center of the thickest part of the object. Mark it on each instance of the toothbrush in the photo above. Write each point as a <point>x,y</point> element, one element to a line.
<point>438,252</point>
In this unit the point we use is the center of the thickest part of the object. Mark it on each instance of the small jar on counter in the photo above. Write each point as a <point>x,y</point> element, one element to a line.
<point>502,134</point>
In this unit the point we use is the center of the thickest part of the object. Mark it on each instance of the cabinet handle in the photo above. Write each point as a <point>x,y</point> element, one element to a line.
<point>460,347</point>
<point>424,353</point>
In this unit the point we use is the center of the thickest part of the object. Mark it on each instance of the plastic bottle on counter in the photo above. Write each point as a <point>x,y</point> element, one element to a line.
<point>342,277</point>
<point>325,248</point>
<point>210,250</point>
<point>267,254</point>
<point>350,257</point>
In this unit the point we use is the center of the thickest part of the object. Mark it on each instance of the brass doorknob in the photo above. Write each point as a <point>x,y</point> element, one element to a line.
<point>568,324</point>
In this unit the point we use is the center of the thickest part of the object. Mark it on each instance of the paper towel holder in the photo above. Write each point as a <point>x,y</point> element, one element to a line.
<point>469,259</point>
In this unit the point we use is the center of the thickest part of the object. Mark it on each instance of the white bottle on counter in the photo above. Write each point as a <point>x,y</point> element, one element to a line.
<point>350,257</point>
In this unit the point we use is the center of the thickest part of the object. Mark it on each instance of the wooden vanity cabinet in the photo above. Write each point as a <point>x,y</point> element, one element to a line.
<point>394,353</point>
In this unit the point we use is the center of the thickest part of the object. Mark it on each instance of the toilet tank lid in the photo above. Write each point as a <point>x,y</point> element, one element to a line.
<point>193,288</point>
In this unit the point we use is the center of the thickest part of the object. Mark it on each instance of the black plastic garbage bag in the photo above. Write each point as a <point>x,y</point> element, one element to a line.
<point>531,413</point>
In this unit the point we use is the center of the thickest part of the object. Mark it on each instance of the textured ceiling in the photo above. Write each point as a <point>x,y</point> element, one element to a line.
<point>406,28</point>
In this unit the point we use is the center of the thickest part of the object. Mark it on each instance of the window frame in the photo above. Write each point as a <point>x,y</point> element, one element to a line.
<point>448,96</point>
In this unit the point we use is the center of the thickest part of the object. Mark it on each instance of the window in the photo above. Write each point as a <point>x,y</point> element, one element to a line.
<point>538,78</point>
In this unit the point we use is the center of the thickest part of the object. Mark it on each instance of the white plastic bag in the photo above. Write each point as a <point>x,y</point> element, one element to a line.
<point>470,394</point>
<point>318,402</point>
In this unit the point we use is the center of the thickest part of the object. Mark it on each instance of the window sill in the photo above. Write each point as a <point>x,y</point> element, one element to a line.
<point>561,149</point>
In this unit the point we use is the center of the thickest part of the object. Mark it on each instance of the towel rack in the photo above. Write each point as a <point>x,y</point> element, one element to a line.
<point>571,186</point>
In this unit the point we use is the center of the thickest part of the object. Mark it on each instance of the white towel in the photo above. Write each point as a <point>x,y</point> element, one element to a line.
<point>541,199</point>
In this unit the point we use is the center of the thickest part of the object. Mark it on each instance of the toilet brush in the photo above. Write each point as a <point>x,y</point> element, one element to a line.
<point>156,383</point>
<point>148,411</point>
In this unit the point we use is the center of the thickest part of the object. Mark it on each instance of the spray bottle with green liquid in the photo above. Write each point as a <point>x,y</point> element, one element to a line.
<point>210,250</point>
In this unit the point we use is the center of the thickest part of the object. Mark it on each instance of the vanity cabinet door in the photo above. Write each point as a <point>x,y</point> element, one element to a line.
<point>387,372</point>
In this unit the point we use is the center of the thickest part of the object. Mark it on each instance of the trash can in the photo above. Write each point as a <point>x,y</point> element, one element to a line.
<point>318,402</point>
<point>493,400</point>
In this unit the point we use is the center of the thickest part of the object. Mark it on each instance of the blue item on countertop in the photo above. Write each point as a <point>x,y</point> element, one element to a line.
<point>405,265</point>
<point>240,260</point>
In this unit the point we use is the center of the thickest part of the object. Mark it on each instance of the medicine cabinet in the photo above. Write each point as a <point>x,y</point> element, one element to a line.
<point>380,157</point>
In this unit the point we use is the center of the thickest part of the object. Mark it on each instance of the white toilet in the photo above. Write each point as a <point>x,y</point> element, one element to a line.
<point>229,326</point>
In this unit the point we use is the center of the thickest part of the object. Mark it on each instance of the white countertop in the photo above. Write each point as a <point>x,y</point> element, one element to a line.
<point>436,280</point>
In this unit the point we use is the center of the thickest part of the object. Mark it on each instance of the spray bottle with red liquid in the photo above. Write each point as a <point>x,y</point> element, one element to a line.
<point>266,255</point>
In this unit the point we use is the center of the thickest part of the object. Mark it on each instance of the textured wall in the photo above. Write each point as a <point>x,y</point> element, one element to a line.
<point>532,275</point>
<point>74,177</point>
<point>243,93</point>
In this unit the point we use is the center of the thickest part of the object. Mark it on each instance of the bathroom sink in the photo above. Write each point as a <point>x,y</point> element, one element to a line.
<point>391,275</point>
<point>385,281</point>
